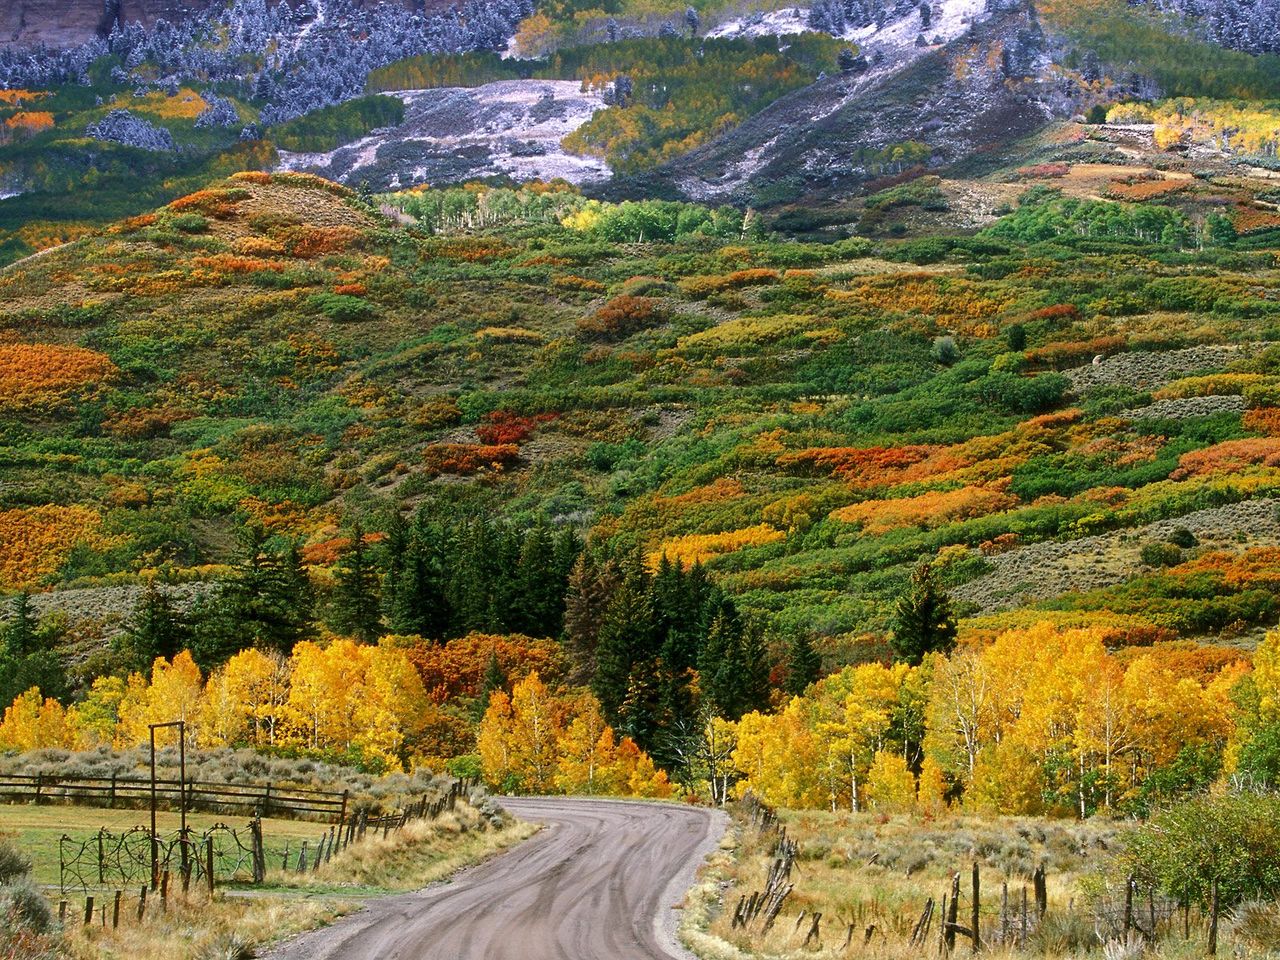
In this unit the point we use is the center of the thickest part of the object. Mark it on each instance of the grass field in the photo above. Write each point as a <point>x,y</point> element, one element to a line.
<point>39,829</point>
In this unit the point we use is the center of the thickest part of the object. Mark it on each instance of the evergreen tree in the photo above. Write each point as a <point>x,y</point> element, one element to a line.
<point>27,656</point>
<point>267,603</point>
<point>539,591</point>
<point>804,664</point>
<point>733,665</point>
<point>156,629</point>
<point>591,587</point>
<point>356,606</point>
<point>923,622</point>
<point>625,644</point>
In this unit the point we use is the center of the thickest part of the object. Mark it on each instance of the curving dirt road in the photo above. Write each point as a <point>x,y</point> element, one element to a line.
<point>599,883</point>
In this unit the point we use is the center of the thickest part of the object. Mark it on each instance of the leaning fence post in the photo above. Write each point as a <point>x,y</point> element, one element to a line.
<point>954,912</point>
<point>142,903</point>
<point>302,858</point>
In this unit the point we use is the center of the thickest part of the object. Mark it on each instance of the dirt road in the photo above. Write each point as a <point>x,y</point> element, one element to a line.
<point>598,883</point>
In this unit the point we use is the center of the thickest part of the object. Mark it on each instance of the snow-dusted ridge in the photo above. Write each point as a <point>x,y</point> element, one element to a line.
<point>454,134</point>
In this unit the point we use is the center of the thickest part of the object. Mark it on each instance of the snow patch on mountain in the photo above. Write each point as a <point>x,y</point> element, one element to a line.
<point>451,135</point>
<point>776,23</point>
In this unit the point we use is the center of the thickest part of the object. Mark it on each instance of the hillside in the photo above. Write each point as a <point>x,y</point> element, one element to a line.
<point>807,420</point>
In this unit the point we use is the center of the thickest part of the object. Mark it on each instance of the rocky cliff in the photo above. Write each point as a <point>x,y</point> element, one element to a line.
<point>63,23</point>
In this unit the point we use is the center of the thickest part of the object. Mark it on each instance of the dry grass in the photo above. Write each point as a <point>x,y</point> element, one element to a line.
<point>864,871</point>
<point>425,852</point>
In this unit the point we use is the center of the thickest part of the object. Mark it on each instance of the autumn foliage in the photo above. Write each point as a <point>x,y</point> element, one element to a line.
<point>39,375</point>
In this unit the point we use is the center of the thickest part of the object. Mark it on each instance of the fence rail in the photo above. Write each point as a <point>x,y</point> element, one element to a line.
<point>264,800</point>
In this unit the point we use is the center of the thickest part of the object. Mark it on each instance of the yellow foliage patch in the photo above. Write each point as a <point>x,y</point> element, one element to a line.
<point>35,541</point>
<point>701,547</point>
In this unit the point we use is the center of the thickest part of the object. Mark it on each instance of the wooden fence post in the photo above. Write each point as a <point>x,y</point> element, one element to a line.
<point>953,913</point>
<point>259,852</point>
<point>302,858</point>
<point>977,907</point>
<point>115,911</point>
<point>62,911</point>
<point>142,903</point>
<point>88,910</point>
<point>164,891</point>
<point>1040,880</point>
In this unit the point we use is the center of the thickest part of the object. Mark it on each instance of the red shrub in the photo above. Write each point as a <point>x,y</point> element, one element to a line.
<point>465,459</point>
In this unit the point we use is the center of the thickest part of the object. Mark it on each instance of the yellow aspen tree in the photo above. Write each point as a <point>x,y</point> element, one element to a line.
<point>587,752</point>
<point>96,717</point>
<point>891,787</point>
<point>931,792</point>
<point>393,709</point>
<point>32,723</point>
<point>494,743</point>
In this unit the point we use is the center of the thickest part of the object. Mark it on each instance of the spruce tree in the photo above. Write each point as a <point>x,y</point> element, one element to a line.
<point>538,590</point>
<point>356,607</point>
<point>591,587</point>
<point>28,657</point>
<point>923,622</point>
<point>804,664</point>
<point>625,644</point>
<point>156,629</point>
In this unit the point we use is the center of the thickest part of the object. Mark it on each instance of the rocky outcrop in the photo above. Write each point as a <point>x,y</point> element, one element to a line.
<point>65,23</point>
<point>60,23</point>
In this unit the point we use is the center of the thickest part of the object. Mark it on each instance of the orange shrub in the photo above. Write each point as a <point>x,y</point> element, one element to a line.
<point>1139,190</point>
<point>309,241</point>
<point>351,289</point>
<point>931,509</point>
<point>1230,455</point>
<point>217,203</point>
<point>29,122</point>
<point>40,375</point>
<point>1263,420</point>
<point>471,249</point>
<point>1068,353</point>
<point>465,459</point>
<point>953,303</point>
<point>620,317</point>
<point>456,669</point>
<point>35,541</point>
<point>1255,219</point>
<point>252,176</point>
<point>702,287</point>
<point>229,263</point>
<point>502,427</point>
<point>875,466</point>
<point>570,281</point>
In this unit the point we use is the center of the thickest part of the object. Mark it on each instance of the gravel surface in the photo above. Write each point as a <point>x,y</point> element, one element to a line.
<point>600,883</point>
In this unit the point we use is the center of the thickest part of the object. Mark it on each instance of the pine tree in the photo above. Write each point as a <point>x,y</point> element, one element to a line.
<point>27,656</point>
<point>156,629</point>
<point>923,622</point>
<point>592,584</point>
<point>804,664</point>
<point>356,607</point>
<point>625,644</point>
<point>538,591</point>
